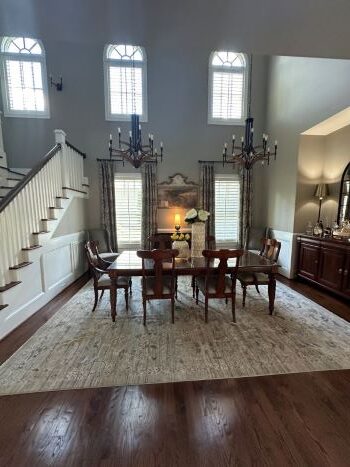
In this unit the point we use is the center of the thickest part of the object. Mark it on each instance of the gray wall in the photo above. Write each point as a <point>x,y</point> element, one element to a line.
<point>302,92</point>
<point>178,37</point>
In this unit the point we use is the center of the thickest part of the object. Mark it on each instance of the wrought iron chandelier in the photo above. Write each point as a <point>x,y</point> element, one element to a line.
<point>246,154</point>
<point>133,151</point>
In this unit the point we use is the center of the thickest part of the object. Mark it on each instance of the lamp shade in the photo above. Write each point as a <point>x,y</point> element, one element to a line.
<point>321,191</point>
<point>177,219</point>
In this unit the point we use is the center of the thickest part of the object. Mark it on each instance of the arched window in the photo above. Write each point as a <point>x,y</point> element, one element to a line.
<point>125,69</point>
<point>24,79</point>
<point>228,84</point>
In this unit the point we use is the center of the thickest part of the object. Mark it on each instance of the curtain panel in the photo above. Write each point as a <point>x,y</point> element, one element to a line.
<point>107,170</point>
<point>149,202</point>
<point>207,194</point>
<point>246,206</point>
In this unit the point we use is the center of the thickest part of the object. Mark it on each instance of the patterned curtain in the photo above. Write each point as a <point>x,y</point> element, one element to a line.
<point>107,170</point>
<point>246,206</point>
<point>149,202</point>
<point>207,194</point>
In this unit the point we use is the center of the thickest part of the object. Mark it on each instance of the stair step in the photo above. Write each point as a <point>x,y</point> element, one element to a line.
<point>85,184</point>
<point>53,207</point>
<point>73,189</point>
<point>20,265</point>
<point>51,219</point>
<point>33,247</point>
<point>14,179</point>
<point>62,197</point>
<point>2,307</point>
<point>9,286</point>
<point>41,232</point>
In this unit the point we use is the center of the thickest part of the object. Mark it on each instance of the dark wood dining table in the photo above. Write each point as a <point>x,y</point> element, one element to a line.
<point>129,264</point>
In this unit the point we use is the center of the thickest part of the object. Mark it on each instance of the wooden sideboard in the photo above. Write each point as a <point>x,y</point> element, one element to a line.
<point>325,262</point>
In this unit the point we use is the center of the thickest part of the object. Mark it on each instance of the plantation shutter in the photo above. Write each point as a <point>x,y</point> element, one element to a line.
<point>227,94</point>
<point>128,196</point>
<point>227,209</point>
<point>125,85</point>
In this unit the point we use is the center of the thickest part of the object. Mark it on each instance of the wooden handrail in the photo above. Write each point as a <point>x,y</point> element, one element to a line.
<point>70,145</point>
<point>36,169</point>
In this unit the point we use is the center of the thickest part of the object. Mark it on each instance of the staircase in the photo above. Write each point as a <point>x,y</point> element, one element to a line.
<point>31,208</point>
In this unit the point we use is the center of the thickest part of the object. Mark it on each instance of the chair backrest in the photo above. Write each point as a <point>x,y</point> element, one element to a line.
<point>154,260</point>
<point>220,272</point>
<point>159,242</point>
<point>92,260</point>
<point>210,242</point>
<point>270,249</point>
<point>101,237</point>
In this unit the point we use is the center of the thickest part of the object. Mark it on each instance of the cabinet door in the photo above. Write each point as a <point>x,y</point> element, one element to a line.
<point>330,272</point>
<point>308,260</point>
<point>346,276</point>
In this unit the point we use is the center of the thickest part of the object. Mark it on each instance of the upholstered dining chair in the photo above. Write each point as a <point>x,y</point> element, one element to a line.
<point>270,249</point>
<point>100,262</point>
<point>102,239</point>
<point>217,283</point>
<point>158,277</point>
<point>101,278</point>
<point>210,244</point>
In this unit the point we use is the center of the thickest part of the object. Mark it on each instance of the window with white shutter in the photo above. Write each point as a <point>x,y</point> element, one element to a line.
<point>227,210</point>
<point>125,82</point>
<point>128,203</point>
<point>23,78</point>
<point>228,75</point>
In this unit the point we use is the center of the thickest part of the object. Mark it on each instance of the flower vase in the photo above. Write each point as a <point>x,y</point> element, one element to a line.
<point>198,239</point>
<point>182,246</point>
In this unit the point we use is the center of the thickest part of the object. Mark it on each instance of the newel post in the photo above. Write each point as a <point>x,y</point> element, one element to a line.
<point>60,138</point>
<point>2,150</point>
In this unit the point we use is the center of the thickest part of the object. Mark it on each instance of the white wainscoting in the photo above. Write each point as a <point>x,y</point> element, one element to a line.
<point>60,262</point>
<point>288,252</point>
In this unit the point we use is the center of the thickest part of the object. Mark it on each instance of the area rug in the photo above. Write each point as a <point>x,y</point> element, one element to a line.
<point>80,349</point>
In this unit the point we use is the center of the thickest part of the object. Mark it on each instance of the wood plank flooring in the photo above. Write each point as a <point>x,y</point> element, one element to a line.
<point>300,419</point>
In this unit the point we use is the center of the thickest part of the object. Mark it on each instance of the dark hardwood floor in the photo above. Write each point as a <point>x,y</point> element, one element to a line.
<point>299,419</point>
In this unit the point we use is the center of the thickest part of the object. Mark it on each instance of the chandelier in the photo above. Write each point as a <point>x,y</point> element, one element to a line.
<point>246,154</point>
<point>134,151</point>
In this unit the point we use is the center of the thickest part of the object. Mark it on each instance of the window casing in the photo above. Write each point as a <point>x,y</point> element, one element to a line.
<point>227,210</point>
<point>128,196</point>
<point>228,86</point>
<point>125,74</point>
<point>24,78</point>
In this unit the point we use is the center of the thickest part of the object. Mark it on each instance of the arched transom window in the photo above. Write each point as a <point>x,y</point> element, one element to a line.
<point>228,84</point>
<point>125,81</point>
<point>24,79</point>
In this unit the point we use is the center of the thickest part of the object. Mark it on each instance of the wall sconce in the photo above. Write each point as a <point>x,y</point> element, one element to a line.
<point>58,84</point>
<point>177,222</point>
<point>321,192</point>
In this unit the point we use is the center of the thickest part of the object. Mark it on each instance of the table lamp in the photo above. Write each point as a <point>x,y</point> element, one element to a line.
<point>321,192</point>
<point>177,222</point>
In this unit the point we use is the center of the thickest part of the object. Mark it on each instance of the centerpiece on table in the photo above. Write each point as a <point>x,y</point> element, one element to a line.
<point>198,218</point>
<point>180,240</point>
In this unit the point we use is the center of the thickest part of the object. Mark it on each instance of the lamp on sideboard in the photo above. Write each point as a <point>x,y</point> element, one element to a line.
<point>321,192</point>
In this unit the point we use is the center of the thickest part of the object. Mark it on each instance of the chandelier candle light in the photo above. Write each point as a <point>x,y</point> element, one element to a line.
<point>134,151</point>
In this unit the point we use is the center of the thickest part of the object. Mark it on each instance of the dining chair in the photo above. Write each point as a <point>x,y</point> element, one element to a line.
<point>270,249</point>
<point>219,282</point>
<point>159,242</point>
<point>101,262</point>
<point>102,239</point>
<point>210,244</point>
<point>158,282</point>
<point>101,278</point>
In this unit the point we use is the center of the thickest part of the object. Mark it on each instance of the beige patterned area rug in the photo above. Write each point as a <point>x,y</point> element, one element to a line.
<point>80,349</point>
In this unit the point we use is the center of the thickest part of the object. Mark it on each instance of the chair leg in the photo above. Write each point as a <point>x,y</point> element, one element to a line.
<point>226,300</point>
<point>193,285</point>
<point>96,299</point>
<point>173,310</point>
<point>176,288</point>
<point>197,293</point>
<point>126,298</point>
<point>130,285</point>
<point>244,289</point>
<point>257,288</point>
<point>206,309</point>
<point>233,307</point>
<point>144,311</point>
<point>103,291</point>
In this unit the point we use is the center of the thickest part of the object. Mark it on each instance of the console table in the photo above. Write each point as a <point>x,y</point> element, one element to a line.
<point>325,262</point>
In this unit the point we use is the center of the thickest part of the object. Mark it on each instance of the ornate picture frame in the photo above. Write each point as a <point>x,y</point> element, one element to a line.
<point>177,192</point>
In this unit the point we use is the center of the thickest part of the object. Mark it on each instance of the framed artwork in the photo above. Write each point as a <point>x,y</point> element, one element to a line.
<point>177,192</point>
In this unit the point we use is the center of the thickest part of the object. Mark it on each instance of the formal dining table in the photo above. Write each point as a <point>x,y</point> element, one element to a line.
<point>129,264</point>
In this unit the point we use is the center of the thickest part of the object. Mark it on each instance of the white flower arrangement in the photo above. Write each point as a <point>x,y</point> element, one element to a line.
<point>196,215</point>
